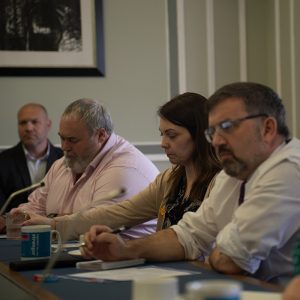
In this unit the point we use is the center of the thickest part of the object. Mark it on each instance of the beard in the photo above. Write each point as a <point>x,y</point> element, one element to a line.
<point>77,164</point>
<point>32,141</point>
<point>232,166</point>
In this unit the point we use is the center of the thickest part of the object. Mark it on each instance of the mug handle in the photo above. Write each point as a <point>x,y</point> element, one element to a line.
<point>58,237</point>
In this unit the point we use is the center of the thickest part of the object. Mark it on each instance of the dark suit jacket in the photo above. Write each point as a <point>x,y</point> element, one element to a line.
<point>14,173</point>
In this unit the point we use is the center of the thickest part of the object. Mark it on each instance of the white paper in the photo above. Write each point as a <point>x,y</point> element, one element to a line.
<point>67,245</point>
<point>133,273</point>
<point>152,271</point>
<point>98,264</point>
<point>248,295</point>
<point>75,253</point>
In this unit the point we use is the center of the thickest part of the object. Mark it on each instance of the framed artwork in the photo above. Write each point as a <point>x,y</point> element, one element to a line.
<point>51,38</point>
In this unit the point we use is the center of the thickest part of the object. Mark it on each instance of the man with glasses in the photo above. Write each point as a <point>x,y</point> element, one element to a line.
<point>250,220</point>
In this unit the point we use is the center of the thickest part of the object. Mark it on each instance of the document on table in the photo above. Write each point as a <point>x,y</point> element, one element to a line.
<point>137,273</point>
<point>133,273</point>
<point>248,295</point>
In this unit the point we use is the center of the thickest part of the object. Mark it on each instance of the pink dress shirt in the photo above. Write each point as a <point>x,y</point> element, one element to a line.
<point>118,165</point>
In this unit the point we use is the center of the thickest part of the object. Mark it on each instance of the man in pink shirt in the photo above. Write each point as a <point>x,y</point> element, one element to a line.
<point>96,161</point>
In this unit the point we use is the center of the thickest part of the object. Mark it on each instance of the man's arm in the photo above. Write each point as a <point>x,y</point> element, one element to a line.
<point>161,246</point>
<point>223,263</point>
<point>292,291</point>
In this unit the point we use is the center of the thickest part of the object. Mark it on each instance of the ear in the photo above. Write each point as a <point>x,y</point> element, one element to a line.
<point>269,129</point>
<point>102,135</point>
<point>49,123</point>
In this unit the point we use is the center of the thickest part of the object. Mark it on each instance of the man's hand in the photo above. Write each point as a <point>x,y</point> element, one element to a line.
<point>292,292</point>
<point>35,219</point>
<point>223,263</point>
<point>16,211</point>
<point>160,246</point>
<point>101,244</point>
<point>2,224</point>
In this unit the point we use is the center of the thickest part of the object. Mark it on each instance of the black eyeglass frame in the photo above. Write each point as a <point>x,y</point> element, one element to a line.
<point>227,125</point>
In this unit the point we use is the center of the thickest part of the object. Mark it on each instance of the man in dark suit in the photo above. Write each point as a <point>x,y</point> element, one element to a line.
<point>28,161</point>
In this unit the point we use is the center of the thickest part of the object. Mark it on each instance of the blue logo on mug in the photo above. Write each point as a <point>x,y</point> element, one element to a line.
<point>36,242</point>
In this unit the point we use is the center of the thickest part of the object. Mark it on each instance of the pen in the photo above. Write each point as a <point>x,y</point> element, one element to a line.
<point>114,231</point>
<point>120,229</point>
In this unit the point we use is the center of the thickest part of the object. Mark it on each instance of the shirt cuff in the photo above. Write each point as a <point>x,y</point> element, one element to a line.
<point>191,250</point>
<point>229,243</point>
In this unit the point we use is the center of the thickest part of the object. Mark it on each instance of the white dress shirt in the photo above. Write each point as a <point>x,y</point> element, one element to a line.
<point>259,234</point>
<point>36,166</point>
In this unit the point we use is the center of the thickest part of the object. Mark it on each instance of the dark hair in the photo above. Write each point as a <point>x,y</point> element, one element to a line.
<point>189,111</point>
<point>258,99</point>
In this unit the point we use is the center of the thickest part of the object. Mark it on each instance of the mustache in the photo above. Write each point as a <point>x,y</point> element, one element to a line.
<point>223,149</point>
<point>28,135</point>
<point>69,155</point>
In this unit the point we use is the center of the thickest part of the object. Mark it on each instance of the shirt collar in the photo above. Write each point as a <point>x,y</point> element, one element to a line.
<point>100,155</point>
<point>104,150</point>
<point>30,157</point>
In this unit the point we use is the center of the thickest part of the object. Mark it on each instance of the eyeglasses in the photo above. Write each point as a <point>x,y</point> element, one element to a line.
<point>227,125</point>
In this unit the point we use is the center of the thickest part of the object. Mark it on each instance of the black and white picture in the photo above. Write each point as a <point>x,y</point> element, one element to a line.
<point>51,37</point>
<point>40,25</point>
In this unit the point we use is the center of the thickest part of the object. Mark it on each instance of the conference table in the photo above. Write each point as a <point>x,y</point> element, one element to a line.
<point>21,284</point>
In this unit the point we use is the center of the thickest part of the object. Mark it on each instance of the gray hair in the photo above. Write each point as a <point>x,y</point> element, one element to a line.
<point>92,113</point>
<point>257,98</point>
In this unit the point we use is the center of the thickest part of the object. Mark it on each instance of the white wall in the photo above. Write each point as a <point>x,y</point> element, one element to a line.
<point>135,84</point>
<point>219,41</point>
<point>239,40</point>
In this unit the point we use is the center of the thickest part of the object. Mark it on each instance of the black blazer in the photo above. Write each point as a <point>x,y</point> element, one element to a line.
<point>14,173</point>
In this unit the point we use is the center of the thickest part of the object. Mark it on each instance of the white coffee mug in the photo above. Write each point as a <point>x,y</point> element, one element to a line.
<point>155,288</point>
<point>36,241</point>
<point>213,289</point>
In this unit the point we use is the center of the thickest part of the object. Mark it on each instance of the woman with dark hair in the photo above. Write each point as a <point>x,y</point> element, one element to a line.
<point>179,189</point>
<point>182,123</point>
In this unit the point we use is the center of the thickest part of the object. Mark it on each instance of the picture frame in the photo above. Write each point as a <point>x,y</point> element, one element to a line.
<point>87,62</point>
